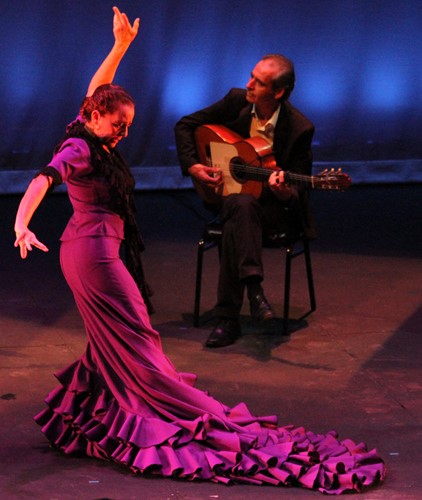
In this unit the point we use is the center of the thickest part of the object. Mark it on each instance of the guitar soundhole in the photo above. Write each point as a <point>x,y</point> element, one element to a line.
<point>237,169</point>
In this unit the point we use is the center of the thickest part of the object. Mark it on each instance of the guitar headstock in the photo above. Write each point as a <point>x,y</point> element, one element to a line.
<point>332,179</point>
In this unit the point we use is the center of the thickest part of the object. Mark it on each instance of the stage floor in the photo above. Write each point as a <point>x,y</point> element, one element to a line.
<point>354,365</point>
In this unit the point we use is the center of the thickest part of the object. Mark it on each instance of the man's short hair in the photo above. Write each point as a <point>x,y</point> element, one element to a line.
<point>286,79</point>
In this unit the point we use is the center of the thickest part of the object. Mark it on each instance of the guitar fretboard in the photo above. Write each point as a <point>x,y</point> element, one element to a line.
<point>249,172</point>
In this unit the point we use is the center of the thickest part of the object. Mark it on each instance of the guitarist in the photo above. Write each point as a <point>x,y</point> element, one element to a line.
<point>263,110</point>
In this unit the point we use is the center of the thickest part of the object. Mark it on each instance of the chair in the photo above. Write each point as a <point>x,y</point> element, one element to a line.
<point>211,238</point>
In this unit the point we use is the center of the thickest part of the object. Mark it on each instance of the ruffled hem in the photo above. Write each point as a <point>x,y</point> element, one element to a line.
<point>83,417</point>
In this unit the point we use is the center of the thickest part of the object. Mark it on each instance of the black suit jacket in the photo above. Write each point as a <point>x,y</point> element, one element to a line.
<point>292,138</point>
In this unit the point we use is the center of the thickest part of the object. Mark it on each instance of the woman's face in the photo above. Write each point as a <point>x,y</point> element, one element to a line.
<point>112,127</point>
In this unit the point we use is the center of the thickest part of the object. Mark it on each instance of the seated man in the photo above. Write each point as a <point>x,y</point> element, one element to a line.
<point>262,110</point>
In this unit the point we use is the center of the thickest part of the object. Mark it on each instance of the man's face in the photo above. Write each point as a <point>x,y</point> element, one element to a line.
<point>259,87</point>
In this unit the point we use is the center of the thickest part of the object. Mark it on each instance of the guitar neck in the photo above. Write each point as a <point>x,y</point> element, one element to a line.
<point>262,174</point>
<point>328,179</point>
<point>299,179</point>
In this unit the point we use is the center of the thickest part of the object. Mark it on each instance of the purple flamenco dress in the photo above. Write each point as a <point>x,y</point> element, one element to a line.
<point>124,401</point>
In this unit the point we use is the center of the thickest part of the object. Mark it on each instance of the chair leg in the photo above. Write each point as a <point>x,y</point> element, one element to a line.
<point>287,277</point>
<point>309,275</point>
<point>198,283</point>
<point>290,255</point>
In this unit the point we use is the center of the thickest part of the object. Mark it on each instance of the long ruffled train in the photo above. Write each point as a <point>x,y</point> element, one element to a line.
<point>83,417</point>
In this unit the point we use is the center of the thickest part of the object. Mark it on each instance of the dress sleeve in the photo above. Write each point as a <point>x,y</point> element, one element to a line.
<point>71,161</point>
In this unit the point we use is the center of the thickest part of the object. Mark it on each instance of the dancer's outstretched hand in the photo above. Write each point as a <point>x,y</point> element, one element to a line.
<point>25,240</point>
<point>123,31</point>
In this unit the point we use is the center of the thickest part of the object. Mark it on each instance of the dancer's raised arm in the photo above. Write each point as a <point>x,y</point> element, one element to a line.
<point>124,34</point>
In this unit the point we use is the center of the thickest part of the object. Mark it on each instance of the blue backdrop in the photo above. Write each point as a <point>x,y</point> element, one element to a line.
<point>358,65</point>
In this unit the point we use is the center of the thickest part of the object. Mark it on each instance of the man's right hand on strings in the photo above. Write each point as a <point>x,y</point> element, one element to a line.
<point>210,176</point>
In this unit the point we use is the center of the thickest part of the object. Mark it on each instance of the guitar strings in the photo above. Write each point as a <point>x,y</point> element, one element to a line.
<point>260,172</point>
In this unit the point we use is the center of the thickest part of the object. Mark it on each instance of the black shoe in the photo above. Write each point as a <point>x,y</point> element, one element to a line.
<point>260,308</point>
<point>225,333</point>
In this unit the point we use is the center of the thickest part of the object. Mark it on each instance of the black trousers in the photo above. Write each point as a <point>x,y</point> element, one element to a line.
<point>241,251</point>
<point>247,223</point>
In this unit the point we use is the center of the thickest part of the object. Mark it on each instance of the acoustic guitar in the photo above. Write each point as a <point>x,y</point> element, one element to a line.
<point>246,165</point>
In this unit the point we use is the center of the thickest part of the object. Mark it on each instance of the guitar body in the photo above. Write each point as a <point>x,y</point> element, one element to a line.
<point>222,148</point>
<point>246,165</point>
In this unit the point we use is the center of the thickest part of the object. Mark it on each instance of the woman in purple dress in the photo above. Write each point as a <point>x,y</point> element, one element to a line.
<point>123,400</point>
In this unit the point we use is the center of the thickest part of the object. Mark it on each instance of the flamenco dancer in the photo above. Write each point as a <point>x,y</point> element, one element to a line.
<point>123,400</point>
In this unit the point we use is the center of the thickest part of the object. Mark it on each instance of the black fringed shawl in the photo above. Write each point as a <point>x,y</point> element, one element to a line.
<point>111,166</point>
